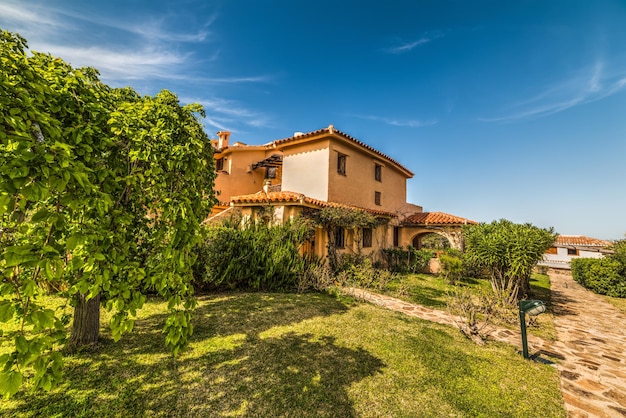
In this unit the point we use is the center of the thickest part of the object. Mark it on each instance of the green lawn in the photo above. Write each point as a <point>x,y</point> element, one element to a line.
<point>288,355</point>
<point>432,291</point>
<point>619,303</point>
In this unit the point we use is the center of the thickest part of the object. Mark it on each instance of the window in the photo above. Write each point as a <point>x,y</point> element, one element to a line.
<point>396,236</point>
<point>340,238</point>
<point>551,250</point>
<point>219,164</point>
<point>377,198</point>
<point>270,173</point>
<point>572,251</point>
<point>341,164</point>
<point>378,172</point>
<point>367,237</point>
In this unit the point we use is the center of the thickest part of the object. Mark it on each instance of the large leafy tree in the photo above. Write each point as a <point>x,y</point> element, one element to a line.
<point>102,192</point>
<point>507,252</point>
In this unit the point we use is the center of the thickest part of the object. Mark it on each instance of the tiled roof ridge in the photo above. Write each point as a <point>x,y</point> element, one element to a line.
<point>581,240</point>
<point>437,218</point>
<point>290,197</point>
<point>331,130</point>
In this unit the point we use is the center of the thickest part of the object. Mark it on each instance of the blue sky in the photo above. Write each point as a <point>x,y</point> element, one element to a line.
<point>511,110</point>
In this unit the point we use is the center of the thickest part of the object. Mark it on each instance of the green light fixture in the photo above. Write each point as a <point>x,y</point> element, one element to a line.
<point>531,308</point>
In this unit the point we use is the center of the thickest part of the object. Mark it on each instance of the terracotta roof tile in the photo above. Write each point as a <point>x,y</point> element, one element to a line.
<point>580,241</point>
<point>299,198</point>
<point>436,218</point>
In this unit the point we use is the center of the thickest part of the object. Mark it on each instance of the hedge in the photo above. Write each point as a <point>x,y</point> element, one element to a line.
<point>601,275</point>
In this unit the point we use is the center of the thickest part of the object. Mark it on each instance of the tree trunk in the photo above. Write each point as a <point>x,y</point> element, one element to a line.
<point>525,290</point>
<point>86,324</point>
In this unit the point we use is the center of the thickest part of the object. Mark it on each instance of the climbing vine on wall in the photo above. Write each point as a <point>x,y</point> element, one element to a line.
<point>334,218</point>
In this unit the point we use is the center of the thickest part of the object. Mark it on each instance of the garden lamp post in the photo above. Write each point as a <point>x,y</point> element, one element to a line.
<point>532,308</point>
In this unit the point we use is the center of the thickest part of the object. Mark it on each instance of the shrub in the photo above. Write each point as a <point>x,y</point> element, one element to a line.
<point>601,275</point>
<point>473,312</point>
<point>251,255</point>
<point>409,260</point>
<point>364,275</point>
<point>451,268</point>
<point>317,275</point>
<point>619,248</point>
<point>508,252</point>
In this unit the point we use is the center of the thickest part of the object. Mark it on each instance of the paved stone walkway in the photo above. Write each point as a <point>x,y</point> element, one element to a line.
<point>590,351</point>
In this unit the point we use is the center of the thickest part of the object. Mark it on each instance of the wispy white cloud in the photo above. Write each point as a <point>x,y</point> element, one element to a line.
<point>224,114</point>
<point>407,46</point>
<point>588,85</point>
<point>156,29</point>
<point>121,49</point>
<point>408,123</point>
<point>120,65</point>
<point>25,16</point>
<point>145,49</point>
<point>403,46</point>
<point>29,18</point>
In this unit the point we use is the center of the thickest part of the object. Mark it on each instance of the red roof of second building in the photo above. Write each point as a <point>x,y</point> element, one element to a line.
<point>580,240</point>
<point>436,218</point>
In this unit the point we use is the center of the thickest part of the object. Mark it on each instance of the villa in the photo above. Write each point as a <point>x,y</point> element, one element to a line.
<point>325,168</point>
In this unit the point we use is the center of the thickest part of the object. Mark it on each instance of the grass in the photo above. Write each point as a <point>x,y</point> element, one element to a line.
<point>288,355</point>
<point>432,291</point>
<point>619,303</point>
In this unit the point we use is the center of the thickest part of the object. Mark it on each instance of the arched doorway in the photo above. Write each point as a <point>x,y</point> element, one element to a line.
<point>431,241</point>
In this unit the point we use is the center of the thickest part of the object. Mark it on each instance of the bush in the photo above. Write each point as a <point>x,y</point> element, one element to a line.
<point>409,260</point>
<point>317,275</point>
<point>619,248</point>
<point>364,275</point>
<point>251,256</point>
<point>601,275</point>
<point>473,312</point>
<point>451,268</point>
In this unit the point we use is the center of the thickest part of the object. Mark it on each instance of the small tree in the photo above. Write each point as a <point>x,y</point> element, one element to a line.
<point>508,252</point>
<point>101,193</point>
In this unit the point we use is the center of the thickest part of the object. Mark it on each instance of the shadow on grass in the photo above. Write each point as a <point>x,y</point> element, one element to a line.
<point>470,281</point>
<point>283,375</point>
<point>428,296</point>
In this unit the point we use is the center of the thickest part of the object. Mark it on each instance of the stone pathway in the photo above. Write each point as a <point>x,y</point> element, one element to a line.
<point>590,351</point>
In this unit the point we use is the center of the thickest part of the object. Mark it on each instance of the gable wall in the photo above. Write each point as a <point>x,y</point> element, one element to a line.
<point>358,186</point>
<point>305,169</point>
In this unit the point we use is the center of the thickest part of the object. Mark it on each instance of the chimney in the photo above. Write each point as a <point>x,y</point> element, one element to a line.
<point>222,142</point>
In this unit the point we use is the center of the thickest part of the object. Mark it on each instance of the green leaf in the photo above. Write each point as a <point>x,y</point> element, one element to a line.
<point>10,383</point>
<point>6,311</point>
<point>28,288</point>
<point>99,256</point>
<point>5,201</point>
<point>21,344</point>
<point>41,215</point>
<point>75,240</point>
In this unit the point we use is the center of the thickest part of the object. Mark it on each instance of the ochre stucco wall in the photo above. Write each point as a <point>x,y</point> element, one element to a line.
<point>358,186</point>
<point>237,178</point>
